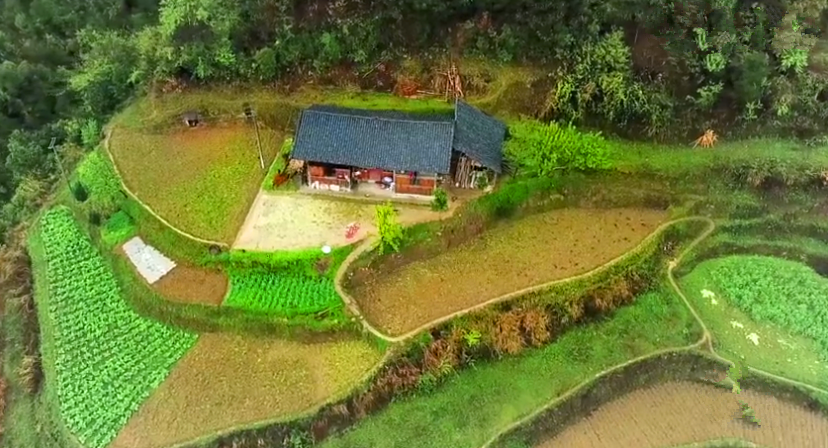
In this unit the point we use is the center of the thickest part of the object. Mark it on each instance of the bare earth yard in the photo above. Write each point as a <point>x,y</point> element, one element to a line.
<point>301,221</point>
<point>190,284</point>
<point>680,413</point>
<point>229,380</point>
<point>515,255</point>
<point>202,180</point>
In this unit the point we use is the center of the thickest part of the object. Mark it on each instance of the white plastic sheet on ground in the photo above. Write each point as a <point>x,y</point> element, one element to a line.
<point>151,264</point>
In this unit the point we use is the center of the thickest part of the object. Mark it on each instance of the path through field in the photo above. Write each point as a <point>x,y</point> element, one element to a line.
<point>228,380</point>
<point>516,255</point>
<point>301,221</point>
<point>678,413</point>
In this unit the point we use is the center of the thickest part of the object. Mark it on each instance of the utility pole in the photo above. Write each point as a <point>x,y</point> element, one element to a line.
<point>60,164</point>
<point>251,115</point>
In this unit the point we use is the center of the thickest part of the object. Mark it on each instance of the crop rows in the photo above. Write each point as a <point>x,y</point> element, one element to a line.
<point>106,358</point>
<point>785,293</point>
<point>280,293</point>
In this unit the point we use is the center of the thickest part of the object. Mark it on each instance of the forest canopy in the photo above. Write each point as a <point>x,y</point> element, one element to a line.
<point>646,64</point>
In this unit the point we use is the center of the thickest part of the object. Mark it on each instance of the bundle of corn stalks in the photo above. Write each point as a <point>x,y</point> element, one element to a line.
<point>451,82</point>
<point>707,140</point>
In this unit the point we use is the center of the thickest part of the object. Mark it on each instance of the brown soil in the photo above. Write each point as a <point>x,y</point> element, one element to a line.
<point>189,284</point>
<point>517,255</point>
<point>228,380</point>
<point>678,413</point>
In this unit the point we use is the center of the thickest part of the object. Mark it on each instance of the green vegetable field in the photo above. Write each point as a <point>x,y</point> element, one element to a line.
<point>103,358</point>
<point>280,293</point>
<point>785,293</point>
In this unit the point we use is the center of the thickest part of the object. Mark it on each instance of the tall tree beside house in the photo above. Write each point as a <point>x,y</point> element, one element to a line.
<point>390,230</point>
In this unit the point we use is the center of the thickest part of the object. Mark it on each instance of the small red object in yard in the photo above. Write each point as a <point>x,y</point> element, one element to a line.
<point>351,230</point>
<point>279,179</point>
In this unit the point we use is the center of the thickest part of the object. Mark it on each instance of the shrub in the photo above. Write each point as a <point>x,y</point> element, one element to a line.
<point>118,228</point>
<point>542,149</point>
<point>79,192</point>
<point>751,82</point>
<point>440,201</point>
<point>99,177</point>
<point>90,133</point>
<point>390,231</point>
<point>601,82</point>
<point>506,334</point>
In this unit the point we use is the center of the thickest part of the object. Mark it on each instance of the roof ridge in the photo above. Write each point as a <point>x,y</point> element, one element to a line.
<point>398,120</point>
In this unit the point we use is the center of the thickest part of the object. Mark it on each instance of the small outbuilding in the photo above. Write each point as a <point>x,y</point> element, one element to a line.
<point>401,152</point>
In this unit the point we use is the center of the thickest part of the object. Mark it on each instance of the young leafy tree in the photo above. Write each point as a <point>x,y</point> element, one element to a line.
<point>196,36</point>
<point>543,149</point>
<point>104,79</point>
<point>390,231</point>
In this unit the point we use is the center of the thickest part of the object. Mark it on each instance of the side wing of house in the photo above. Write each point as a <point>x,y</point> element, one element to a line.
<point>478,138</point>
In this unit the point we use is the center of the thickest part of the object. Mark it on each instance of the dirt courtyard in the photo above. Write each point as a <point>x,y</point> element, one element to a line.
<point>516,255</point>
<point>228,380</point>
<point>301,221</point>
<point>679,413</point>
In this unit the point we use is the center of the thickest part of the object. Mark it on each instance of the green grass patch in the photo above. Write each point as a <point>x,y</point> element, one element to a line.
<point>475,404</point>
<point>100,180</point>
<point>101,358</point>
<point>787,160</point>
<point>117,229</point>
<point>201,180</point>
<point>782,303</point>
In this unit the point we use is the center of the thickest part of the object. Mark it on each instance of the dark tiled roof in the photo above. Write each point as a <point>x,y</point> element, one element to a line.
<point>479,136</point>
<point>397,140</point>
<point>375,139</point>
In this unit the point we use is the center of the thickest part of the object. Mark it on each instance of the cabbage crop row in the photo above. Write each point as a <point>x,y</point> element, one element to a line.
<point>106,358</point>
<point>280,293</point>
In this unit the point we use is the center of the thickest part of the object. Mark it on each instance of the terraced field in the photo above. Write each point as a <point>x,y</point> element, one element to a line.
<point>679,413</point>
<point>516,255</point>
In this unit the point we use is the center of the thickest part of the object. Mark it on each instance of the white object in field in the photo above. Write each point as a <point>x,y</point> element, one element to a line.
<point>707,294</point>
<point>754,338</point>
<point>735,324</point>
<point>151,264</point>
<point>326,249</point>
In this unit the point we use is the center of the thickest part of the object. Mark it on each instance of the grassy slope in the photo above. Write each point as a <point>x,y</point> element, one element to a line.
<point>636,157</point>
<point>780,351</point>
<point>474,405</point>
<point>203,180</point>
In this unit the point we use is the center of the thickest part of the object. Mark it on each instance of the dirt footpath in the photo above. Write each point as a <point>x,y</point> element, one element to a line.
<point>679,413</point>
<point>301,221</point>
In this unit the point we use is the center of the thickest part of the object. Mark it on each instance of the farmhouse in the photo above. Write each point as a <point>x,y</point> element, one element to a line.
<point>348,149</point>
